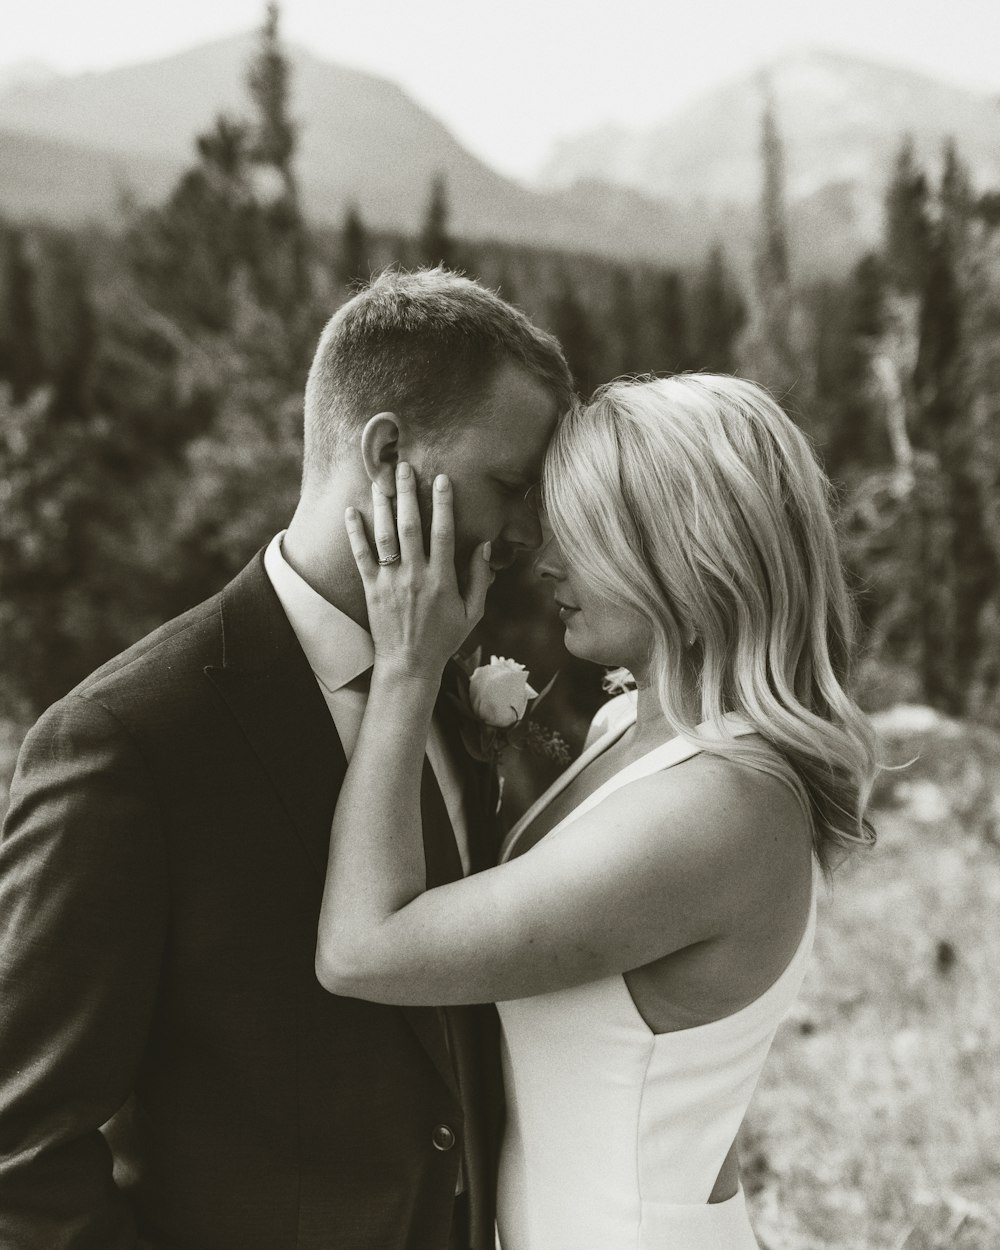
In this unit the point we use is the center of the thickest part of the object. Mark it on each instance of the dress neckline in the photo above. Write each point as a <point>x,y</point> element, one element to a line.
<point>683,747</point>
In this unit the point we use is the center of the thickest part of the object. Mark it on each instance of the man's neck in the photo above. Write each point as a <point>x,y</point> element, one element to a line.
<point>325,561</point>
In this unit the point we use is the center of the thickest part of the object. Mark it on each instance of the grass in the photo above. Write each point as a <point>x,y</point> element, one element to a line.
<point>876,1125</point>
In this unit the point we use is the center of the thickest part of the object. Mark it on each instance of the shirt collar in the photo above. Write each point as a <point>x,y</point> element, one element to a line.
<point>337,648</point>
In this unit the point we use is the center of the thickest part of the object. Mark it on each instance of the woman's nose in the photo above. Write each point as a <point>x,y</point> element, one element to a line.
<point>548,562</point>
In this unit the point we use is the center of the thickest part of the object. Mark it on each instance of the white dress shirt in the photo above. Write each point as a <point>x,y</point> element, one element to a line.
<point>338,651</point>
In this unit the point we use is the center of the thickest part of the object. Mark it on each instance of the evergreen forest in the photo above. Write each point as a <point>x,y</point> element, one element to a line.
<point>151,400</point>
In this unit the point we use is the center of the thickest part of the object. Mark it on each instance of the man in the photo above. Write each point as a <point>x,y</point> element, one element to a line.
<point>172,1075</point>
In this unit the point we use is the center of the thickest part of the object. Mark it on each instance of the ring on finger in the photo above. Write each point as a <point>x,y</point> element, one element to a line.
<point>384,560</point>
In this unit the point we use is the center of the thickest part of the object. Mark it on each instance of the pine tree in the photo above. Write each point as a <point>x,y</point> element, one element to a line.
<point>268,80</point>
<point>234,217</point>
<point>956,198</point>
<point>719,315</point>
<point>67,323</point>
<point>855,434</point>
<point>278,261</point>
<point>669,331</point>
<point>987,209</point>
<point>21,363</point>
<point>772,268</point>
<point>185,254</point>
<point>908,223</point>
<point>353,264</point>
<point>928,262</point>
<point>978,490</point>
<point>625,327</point>
<point>573,328</point>
<point>938,369</point>
<point>766,350</point>
<point>936,591</point>
<point>921,279</point>
<point>436,244</point>
<point>946,385</point>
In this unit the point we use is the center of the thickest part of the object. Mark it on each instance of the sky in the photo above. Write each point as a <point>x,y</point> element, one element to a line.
<point>509,77</point>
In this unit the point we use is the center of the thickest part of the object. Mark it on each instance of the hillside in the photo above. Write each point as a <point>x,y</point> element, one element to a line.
<point>361,138</point>
<point>70,183</point>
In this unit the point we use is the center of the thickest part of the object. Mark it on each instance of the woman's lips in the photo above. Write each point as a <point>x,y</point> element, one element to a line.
<point>565,612</point>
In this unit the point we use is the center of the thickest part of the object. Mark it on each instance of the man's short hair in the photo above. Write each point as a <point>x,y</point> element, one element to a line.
<point>423,345</point>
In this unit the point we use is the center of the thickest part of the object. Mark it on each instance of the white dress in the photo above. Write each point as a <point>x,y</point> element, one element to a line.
<point>615,1135</point>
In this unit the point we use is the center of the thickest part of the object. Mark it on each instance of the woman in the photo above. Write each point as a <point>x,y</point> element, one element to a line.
<point>652,914</point>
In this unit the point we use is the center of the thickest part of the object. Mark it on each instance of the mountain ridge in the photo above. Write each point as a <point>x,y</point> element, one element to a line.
<point>842,119</point>
<point>70,145</point>
<point>362,140</point>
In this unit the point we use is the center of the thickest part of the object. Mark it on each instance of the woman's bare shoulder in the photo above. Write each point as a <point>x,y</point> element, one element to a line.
<point>722,820</point>
<point>759,796</point>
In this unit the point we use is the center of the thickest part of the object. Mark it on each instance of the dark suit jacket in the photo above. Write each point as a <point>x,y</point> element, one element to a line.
<point>161,870</point>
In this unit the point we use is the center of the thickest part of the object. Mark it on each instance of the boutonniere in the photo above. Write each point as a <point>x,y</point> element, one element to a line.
<point>496,705</point>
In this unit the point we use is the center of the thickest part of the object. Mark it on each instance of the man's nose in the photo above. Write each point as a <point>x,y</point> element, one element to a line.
<point>525,531</point>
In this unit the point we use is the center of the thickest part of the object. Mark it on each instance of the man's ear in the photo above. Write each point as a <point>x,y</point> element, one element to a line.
<point>380,451</point>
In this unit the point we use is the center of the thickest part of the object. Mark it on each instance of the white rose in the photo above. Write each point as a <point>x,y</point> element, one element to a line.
<point>499,692</point>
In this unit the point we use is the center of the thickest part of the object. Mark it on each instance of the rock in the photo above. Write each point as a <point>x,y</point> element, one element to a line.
<point>943,769</point>
<point>952,1223</point>
<point>945,956</point>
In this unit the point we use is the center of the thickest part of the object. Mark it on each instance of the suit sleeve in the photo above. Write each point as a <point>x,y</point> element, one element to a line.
<point>83,906</point>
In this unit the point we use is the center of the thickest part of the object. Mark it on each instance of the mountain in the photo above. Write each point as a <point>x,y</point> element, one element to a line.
<point>70,145</point>
<point>841,119</point>
<point>69,183</point>
<point>23,73</point>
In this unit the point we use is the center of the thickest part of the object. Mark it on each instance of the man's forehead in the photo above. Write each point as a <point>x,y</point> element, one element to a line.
<point>517,412</point>
<point>512,449</point>
<point>514,391</point>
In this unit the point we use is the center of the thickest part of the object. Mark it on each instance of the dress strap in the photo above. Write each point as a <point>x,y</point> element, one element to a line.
<point>597,748</point>
<point>674,751</point>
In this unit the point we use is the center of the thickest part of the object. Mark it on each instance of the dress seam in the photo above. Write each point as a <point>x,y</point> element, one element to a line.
<point>650,1052</point>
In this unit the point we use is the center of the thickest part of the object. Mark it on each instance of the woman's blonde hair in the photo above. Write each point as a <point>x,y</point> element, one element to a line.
<point>697,502</point>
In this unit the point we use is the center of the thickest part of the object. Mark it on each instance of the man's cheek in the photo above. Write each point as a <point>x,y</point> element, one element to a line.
<point>472,527</point>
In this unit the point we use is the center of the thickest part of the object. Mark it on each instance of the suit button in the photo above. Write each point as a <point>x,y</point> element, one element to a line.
<point>443,1137</point>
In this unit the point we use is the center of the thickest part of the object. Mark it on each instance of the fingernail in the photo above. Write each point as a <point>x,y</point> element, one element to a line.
<point>487,550</point>
<point>441,482</point>
<point>402,469</point>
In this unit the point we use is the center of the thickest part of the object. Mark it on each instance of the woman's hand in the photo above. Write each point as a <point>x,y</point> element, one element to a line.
<point>417,615</point>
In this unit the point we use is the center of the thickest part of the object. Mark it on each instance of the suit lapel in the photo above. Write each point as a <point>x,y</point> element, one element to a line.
<point>273,695</point>
<point>479,791</point>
